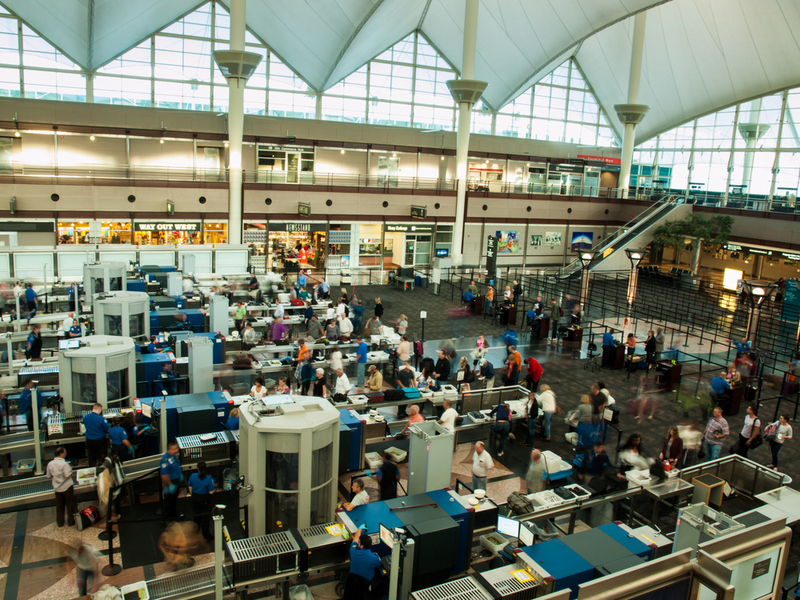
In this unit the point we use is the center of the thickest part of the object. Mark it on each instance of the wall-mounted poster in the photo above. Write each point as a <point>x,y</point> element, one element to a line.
<point>582,240</point>
<point>552,238</point>
<point>536,240</point>
<point>507,241</point>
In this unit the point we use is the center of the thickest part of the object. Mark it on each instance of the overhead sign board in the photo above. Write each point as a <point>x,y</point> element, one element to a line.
<point>167,226</point>
<point>410,228</point>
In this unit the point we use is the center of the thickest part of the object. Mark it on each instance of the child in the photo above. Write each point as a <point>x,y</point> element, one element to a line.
<point>282,387</point>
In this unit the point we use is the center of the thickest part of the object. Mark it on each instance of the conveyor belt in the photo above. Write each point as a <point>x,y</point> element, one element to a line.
<point>37,489</point>
<point>186,584</point>
<point>16,441</point>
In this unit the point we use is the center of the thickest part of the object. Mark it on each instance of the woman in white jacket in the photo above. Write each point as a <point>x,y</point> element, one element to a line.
<point>547,401</point>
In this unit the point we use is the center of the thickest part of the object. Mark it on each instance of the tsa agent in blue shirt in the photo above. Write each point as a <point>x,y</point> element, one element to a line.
<point>30,298</point>
<point>201,486</point>
<point>609,350</point>
<point>25,404</point>
<point>363,566</point>
<point>75,331</point>
<point>233,420</point>
<point>151,347</point>
<point>324,290</point>
<point>361,363</point>
<point>71,295</point>
<point>96,429</point>
<point>170,472</point>
<point>120,444</point>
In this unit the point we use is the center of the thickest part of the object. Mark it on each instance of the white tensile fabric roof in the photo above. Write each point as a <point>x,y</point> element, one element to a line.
<point>700,55</point>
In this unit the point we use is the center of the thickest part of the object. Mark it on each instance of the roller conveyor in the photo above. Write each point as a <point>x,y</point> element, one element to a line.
<point>16,441</point>
<point>186,584</point>
<point>17,493</point>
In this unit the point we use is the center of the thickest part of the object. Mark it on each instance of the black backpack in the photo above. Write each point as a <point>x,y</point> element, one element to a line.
<point>393,395</point>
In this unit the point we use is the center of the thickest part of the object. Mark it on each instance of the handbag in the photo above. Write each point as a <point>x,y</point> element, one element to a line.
<point>771,432</point>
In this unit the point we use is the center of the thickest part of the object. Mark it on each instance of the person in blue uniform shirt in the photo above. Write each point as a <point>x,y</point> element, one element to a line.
<point>120,444</point>
<point>301,280</point>
<point>96,429</point>
<point>25,404</point>
<point>168,379</point>
<point>151,347</point>
<point>364,563</point>
<point>721,391</point>
<point>201,486</point>
<point>171,476</point>
<point>609,350</point>
<point>72,293</point>
<point>32,300</point>
<point>35,343</point>
<point>75,331</point>
<point>233,420</point>
<point>324,291</point>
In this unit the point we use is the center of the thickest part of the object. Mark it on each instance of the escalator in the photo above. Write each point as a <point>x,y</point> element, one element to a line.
<point>635,233</point>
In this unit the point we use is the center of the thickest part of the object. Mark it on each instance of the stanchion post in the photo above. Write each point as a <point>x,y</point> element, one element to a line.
<point>37,447</point>
<point>218,554</point>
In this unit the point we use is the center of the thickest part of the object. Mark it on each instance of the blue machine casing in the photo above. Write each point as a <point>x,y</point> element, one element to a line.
<point>562,563</point>
<point>216,399</point>
<point>356,428</point>
<point>148,372</point>
<point>465,520</point>
<point>574,559</point>
<point>195,318</point>
<point>136,285</point>
<point>375,513</point>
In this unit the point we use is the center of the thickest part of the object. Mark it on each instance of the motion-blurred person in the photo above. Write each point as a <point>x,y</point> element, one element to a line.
<point>535,477</point>
<point>87,569</point>
<point>179,543</point>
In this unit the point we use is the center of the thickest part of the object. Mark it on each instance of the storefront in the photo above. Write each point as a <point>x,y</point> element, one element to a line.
<point>412,244</point>
<point>94,232</point>
<point>180,232</point>
<point>286,247</point>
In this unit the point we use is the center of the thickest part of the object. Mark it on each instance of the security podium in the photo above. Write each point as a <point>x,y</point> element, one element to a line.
<point>101,369</point>
<point>103,278</point>
<point>125,314</point>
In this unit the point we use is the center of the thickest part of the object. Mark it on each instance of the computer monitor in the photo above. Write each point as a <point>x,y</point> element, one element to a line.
<point>525,535</point>
<point>68,344</point>
<point>507,526</point>
<point>386,535</point>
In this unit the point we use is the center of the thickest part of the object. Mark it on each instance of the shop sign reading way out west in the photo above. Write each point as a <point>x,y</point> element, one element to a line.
<point>190,226</point>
